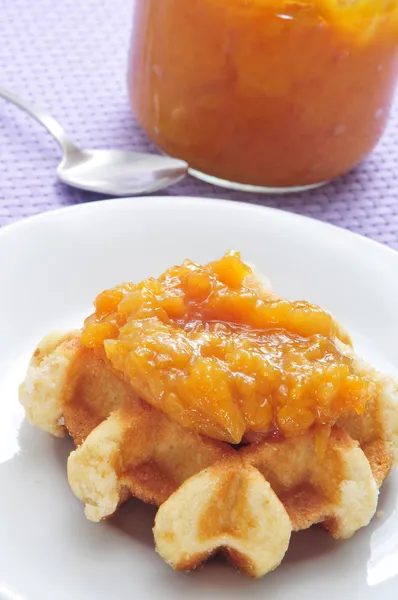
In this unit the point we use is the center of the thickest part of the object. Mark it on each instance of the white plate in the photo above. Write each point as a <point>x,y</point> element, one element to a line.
<point>51,267</point>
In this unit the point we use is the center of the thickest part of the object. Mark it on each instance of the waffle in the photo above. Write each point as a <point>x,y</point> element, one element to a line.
<point>213,497</point>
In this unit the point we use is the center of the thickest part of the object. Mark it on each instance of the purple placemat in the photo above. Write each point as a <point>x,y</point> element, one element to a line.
<point>70,57</point>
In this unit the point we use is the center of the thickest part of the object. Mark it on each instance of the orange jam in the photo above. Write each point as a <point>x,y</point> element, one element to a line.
<point>275,93</point>
<point>209,346</point>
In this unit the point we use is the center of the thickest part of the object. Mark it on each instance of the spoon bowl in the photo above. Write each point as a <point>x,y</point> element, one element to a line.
<point>118,172</point>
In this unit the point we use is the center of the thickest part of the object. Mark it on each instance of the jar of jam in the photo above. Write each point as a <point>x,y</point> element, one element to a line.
<point>264,95</point>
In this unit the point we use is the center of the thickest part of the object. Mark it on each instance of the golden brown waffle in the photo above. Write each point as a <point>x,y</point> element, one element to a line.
<point>212,496</point>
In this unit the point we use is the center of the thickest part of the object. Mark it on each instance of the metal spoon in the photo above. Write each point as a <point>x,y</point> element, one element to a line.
<point>114,172</point>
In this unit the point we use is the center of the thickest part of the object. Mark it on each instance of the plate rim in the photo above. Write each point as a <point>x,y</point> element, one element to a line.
<point>236,205</point>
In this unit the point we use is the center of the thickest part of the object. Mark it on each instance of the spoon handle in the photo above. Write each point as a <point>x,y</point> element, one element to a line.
<point>48,122</point>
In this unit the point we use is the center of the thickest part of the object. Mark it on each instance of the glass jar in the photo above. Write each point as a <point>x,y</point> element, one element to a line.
<point>269,95</point>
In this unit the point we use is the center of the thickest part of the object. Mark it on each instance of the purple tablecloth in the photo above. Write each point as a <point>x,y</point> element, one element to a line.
<point>70,56</point>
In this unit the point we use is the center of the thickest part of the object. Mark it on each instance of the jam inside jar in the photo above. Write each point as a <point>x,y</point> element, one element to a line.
<point>264,93</point>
